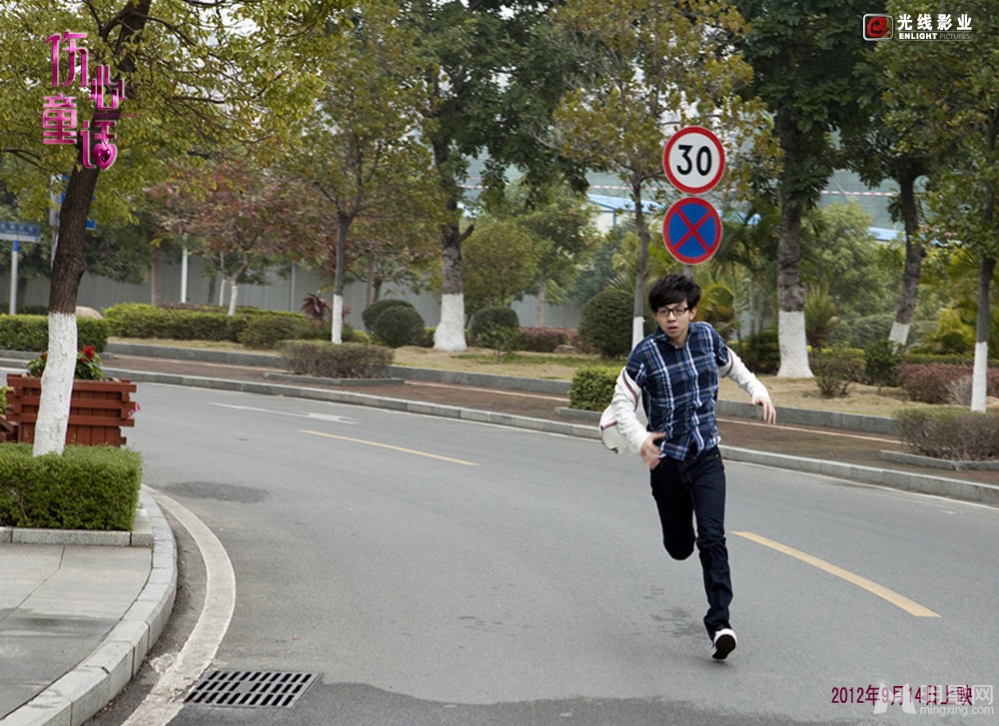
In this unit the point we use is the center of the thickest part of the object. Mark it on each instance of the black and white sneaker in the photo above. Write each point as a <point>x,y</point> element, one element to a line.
<point>723,643</point>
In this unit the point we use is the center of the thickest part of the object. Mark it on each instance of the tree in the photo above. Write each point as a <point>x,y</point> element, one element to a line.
<point>499,264</point>
<point>649,68</point>
<point>803,55</point>
<point>361,151</point>
<point>494,77</point>
<point>959,92</point>
<point>560,221</point>
<point>190,71</point>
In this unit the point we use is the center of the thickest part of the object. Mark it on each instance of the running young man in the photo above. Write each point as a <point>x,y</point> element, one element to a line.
<point>676,370</point>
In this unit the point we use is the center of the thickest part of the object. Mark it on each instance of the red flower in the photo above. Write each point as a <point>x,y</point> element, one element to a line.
<point>89,352</point>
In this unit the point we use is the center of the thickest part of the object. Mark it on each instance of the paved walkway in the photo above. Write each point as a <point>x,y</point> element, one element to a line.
<point>77,619</point>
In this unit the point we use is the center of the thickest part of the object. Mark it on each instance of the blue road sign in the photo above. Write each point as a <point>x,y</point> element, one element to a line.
<point>20,232</point>
<point>692,230</point>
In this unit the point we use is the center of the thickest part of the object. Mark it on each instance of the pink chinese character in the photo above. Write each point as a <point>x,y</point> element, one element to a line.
<point>74,61</point>
<point>102,85</point>
<point>964,695</point>
<point>59,120</point>
<point>103,152</point>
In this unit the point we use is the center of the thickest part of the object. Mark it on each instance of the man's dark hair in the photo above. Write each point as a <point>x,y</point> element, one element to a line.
<point>673,289</point>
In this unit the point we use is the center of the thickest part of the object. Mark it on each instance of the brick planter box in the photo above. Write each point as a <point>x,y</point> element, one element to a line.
<point>97,410</point>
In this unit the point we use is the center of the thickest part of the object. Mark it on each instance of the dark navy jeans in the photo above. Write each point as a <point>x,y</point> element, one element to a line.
<point>694,491</point>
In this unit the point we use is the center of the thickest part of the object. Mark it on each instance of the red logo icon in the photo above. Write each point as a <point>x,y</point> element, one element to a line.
<point>878,27</point>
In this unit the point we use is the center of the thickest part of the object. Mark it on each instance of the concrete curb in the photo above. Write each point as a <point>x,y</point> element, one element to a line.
<point>350,382</point>
<point>91,685</point>
<point>229,357</point>
<point>903,457</point>
<point>140,536</point>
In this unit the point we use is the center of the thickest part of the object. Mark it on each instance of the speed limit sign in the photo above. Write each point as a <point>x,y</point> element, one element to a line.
<point>694,160</point>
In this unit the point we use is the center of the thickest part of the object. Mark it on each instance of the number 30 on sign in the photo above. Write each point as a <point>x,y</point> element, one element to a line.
<point>694,160</point>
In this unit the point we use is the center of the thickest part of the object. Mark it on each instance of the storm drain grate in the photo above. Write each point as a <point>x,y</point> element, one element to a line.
<point>251,689</point>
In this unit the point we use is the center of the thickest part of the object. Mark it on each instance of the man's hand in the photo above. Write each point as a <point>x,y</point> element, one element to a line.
<point>650,450</point>
<point>769,413</point>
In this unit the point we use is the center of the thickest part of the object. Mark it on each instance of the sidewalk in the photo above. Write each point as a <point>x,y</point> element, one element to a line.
<point>63,658</point>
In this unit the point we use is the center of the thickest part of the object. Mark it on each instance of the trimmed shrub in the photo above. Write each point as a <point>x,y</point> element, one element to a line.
<point>137,320</point>
<point>86,487</point>
<point>881,361</point>
<point>326,360</point>
<point>929,383</point>
<point>592,388</point>
<point>31,332</point>
<point>836,369</point>
<point>950,433</point>
<point>25,309</point>
<point>606,323</point>
<point>546,340</point>
<point>760,352</point>
<point>488,320</point>
<point>398,326</point>
<point>266,331</point>
<point>370,315</point>
<point>427,339</point>
<point>959,390</point>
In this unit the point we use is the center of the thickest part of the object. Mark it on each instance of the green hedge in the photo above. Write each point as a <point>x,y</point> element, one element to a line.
<point>327,360</point>
<point>950,433</point>
<point>399,325</point>
<point>592,388</point>
<point>31,332</point>
<point>255,328</point>
<point>87,487</point>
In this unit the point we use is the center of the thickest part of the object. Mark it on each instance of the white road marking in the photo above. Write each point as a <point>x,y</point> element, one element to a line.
<point>314,416</point>
<point>165,700</point>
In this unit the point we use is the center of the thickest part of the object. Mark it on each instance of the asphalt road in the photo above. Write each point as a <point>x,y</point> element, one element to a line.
<point>440,572</point>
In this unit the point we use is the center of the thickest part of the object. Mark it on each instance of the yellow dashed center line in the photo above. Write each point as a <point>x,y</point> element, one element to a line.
<point>913,608</point>
<point>387,446</point>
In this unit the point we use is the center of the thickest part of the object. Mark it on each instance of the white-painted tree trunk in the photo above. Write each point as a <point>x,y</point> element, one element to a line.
<point>899,334</point>
<point>793,345</point>
<point>222,282</point>
<point>979,377</point>
<point>57,385</point>
<point>637,331</point>
<point>233,296</point>
<point>450,333</point>
<point>337,332</point>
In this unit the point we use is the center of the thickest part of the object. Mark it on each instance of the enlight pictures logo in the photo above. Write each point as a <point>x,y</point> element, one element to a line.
<point>878,27</point>
<point>919,26</point>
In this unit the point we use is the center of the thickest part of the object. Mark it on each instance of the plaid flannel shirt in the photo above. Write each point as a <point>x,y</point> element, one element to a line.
<point>680,386</point>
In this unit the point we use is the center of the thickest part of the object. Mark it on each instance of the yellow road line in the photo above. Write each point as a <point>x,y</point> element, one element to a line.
<point>387,446</point>
<point>913,608</point>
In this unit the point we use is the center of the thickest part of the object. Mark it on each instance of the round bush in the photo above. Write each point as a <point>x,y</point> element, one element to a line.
<point>488,320</point>
<point>398,326</point>
<point>606,323</point>
<point>378,307</point>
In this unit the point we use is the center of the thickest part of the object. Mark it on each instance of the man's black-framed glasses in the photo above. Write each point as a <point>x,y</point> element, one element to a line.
<point>675,312</point>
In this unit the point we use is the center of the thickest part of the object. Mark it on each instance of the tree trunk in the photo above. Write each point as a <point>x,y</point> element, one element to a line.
<point>154,276</point>
<point>450,333</point>
<point>67,270</point>
<point>979,378</point>
<point>539,317</point>
<point>638,310</point>
<point>234,288</point>
<point>343,227</point>
<point>791,295</point>
<point>914,254</point>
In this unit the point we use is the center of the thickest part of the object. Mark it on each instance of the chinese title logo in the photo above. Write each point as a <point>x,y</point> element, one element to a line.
<point>921,26</point>
<point>59,115</point>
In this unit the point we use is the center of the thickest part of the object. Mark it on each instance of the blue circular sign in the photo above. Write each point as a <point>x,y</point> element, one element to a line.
<point>692,230</point>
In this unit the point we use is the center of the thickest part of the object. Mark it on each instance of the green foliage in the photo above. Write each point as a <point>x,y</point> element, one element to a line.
<point>499,264</point>
<point>950,433</point>
<point>488,320</point>
<point>88,365</point>
<point>760,352</point>
<point>86,487</point>
<point>325,359</point>
<point>820,316</point>
<point>870,329</point>
<point>31,332</point>
<point>881,361</point>
<point>606,323</point>
<point>376,308</point>
<point>835,370</point>
<point>266,331</point>
<point>399,326</point>
<point>592,388</point>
